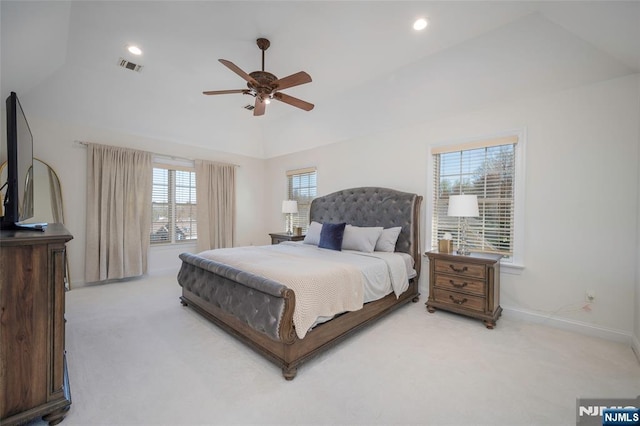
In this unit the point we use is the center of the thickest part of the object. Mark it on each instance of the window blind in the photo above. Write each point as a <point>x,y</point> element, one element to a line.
<point>302,187</point>
<point>173,204</point>
<point>486,169</point>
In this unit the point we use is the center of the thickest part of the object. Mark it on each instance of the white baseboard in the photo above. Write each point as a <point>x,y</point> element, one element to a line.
<point>77,284</point>
<point>572,325</point>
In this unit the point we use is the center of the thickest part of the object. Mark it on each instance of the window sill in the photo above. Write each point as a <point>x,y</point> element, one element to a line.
<point>172,246</point>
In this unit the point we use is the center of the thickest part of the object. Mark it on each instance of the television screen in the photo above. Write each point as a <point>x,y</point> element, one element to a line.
<point>18,202</point>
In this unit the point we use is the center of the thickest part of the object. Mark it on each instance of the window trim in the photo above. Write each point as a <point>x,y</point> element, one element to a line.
<point>516,264</point>
<point>288,174</point>
<point>176,164</point>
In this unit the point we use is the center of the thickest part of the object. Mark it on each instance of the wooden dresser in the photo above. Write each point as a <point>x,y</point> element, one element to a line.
<point>33,371</point>
<point>467,285</point>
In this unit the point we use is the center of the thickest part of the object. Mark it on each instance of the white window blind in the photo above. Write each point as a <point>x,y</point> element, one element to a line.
<point>302,187</point>
<point>486,169</point>
<point>173,204</point>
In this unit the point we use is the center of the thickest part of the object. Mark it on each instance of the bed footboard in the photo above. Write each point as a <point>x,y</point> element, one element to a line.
<point>264,305</point>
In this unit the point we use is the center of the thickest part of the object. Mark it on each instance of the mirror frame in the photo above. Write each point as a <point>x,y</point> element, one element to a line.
<point>67,274</point>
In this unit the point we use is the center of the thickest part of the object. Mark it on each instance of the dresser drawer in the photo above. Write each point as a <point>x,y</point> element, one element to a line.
<point>466,269</point>
<point>458,283</point>
<point>459,300</point>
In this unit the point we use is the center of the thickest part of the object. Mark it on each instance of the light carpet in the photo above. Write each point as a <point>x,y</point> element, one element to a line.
<point>137,357</point>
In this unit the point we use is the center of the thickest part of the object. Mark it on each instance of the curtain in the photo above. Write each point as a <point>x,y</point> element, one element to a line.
<point>215,195</point>
<point>118,212</point>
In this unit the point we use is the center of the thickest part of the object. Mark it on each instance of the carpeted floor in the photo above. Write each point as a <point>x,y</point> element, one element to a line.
<point>137,357</point>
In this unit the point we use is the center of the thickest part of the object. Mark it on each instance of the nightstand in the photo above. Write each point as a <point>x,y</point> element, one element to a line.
<point>278,237</point>
<point>467,285</point>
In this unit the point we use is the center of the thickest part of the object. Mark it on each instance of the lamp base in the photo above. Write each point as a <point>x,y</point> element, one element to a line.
<point>289,224</point>
<point>463,248</point>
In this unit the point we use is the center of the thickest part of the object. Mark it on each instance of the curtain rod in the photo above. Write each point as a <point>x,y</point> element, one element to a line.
<point>171,157</point>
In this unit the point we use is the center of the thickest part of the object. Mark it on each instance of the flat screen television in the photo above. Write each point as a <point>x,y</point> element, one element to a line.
<point>18,200</point>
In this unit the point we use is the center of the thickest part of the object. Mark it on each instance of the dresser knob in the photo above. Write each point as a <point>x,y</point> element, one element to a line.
<point>453,283</point>
<point>457,301</point>
<point>464,268</point>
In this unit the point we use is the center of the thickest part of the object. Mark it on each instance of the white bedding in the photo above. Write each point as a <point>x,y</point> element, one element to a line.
<point>364,277</point>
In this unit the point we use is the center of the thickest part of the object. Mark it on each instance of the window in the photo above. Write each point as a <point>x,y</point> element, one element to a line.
<point>173,205</point>
<point>488,169</point>
<point>302,187</point>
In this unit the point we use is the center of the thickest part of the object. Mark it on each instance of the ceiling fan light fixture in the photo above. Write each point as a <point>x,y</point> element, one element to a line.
<point>265,86</point>
<point>420,24</point>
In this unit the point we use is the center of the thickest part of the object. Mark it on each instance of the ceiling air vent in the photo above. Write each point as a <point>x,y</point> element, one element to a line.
<point>249,107</point>
<point>129,65</point>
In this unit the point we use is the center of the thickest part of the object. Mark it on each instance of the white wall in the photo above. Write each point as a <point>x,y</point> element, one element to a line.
<point>54,144</point>
<point>581,166</point>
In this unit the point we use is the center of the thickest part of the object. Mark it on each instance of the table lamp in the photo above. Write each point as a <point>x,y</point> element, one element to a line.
<point>463,206</point>
<point>290,207</point>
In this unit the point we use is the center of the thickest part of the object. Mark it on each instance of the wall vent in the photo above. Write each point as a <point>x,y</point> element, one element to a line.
<point>249,107</point>
<point>129,65</point>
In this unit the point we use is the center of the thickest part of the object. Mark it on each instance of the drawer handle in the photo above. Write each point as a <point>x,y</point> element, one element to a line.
<point>453,283</point>
<point>464,268</point>
<point>458,301</point>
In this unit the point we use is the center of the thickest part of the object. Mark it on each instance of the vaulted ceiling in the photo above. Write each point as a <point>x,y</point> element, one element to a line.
<point>371,71</point>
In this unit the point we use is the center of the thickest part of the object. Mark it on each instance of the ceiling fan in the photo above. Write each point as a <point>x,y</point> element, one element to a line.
<point>265,86</point>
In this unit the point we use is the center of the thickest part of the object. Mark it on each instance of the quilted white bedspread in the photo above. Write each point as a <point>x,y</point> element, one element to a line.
<point>325,282</point>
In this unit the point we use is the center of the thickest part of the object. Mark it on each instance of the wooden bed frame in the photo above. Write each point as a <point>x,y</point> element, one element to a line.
<point>235,300</point>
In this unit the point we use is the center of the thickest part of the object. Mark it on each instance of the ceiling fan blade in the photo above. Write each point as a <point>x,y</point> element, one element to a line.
<point>225,92</point>
<point>292,80</point>
<point>233,67</point>
<point>259,107</point>
<point>299,103</point>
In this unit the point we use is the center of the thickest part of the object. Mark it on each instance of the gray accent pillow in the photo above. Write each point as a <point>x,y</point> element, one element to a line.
<point>313,234</point>
<point>361,238</point>
<point>388,239</point>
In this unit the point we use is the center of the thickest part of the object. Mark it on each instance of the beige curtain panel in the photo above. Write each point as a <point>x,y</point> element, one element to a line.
<point>118,212</point>
<point>216,199</point>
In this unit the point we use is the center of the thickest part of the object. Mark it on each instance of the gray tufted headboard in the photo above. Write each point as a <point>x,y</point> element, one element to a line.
<point>373,206</point>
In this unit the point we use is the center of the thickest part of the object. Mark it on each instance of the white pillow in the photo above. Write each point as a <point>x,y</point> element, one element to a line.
<point>313,234</point>
<point>388,239</point>
<point>361,238</point>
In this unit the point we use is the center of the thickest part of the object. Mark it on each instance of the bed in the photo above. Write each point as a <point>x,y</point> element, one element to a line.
<point>260,311</point>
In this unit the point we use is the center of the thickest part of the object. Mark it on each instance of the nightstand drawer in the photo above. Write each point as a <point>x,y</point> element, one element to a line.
<point>278,240</point>
<point>460,300</point>
<point>467,285</point>
<point>458,283</point>
<point>467,269</point>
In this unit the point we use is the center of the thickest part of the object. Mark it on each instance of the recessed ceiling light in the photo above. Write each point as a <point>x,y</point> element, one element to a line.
<point>420,24</point>
<point>134,49</point>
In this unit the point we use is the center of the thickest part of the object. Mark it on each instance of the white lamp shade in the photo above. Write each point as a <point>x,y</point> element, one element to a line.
<point>463,206</point>
<point>289,206</point>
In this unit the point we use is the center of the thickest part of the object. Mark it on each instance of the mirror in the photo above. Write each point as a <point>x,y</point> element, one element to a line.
<point>47,198</point>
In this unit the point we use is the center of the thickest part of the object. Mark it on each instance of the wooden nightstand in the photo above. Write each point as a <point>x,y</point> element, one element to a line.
<point>278,237</point>
<point>467,285</point>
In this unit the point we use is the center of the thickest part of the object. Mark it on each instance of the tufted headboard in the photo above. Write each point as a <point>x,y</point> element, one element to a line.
<point>373,206</point>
